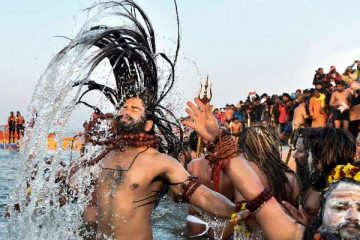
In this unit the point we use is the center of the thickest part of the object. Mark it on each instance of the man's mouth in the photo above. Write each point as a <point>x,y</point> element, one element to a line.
<point>350,226</point>
<point>126,119</point>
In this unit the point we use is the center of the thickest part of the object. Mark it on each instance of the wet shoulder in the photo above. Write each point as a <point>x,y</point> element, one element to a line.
<point>259,172</point>
<point>197,166</point>
<point>160,159</point>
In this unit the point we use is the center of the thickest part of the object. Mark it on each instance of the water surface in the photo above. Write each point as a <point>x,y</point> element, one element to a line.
<point>168,218</point>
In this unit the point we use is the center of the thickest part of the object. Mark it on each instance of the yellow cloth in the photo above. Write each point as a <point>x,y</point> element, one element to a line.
<point>322,99</point>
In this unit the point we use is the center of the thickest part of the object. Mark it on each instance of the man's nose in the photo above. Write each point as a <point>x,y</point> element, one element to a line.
<point>352,215</point>
<point>124,111</point>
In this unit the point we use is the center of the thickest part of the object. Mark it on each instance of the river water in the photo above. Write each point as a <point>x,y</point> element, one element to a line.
<point>168,218</point>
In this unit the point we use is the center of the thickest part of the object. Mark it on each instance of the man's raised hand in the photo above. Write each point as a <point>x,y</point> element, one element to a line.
<point>202,120</point>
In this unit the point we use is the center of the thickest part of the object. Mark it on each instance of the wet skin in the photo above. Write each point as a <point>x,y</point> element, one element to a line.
<point>124,205</point>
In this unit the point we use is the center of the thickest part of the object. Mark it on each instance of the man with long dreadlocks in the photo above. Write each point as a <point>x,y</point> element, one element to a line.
<point>133,174</point>
<point>260,146</point>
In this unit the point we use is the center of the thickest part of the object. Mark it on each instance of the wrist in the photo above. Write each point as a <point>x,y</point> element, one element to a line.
<point>255,204</point>
<point>216,137</point>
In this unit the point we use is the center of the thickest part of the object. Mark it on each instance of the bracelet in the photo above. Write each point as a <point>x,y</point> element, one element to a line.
<point>188,189</point>
<point>257,203</point>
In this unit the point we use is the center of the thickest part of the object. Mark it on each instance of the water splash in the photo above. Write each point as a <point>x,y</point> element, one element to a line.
<point>218,225</point>
<point>39,192</point>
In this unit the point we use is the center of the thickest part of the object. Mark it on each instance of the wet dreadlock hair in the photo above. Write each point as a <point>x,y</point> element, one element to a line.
<point>132,54</point>
<point>329,147</point>
<point>313,227</point>
<point>261,146</point>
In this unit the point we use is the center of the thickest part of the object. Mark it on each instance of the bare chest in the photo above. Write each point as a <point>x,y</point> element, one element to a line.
<point>342,97</point>
<point>127,173</point>
<point>133,180</point>
<point>236,126</point>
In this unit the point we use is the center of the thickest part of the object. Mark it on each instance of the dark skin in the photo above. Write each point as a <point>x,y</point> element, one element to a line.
<point>123,202</point>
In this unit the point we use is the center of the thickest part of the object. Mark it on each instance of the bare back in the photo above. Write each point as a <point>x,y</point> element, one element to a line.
<point>201,169</point>
<point>299,116</point>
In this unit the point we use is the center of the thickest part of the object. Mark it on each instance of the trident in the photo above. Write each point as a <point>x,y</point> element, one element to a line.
<point>205,91</point>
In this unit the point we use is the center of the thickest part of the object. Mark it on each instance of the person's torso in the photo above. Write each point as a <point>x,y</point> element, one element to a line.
<point>235,128</point>
<point>298,115</point>
<point>283,113</point>
<point>201,169</point>
<point>12,120</point>
<point>127,189</point>
<point>20,120</point>
<point>342,97</point>
<point>316,106</point>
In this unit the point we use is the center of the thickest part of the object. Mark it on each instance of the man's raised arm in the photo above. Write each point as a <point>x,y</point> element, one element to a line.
<point>249,185</point>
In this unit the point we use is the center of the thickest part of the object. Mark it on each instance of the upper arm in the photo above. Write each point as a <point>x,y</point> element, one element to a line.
<point>174,171</point>
<point>247,181</point>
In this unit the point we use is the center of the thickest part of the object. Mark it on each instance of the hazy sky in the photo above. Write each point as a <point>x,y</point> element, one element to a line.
<point>263,45</point>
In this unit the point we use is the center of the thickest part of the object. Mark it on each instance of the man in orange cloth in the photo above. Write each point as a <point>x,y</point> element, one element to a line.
<point>317,109</point>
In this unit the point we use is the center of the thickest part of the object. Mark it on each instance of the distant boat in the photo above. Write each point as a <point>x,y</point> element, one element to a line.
<point>52,144</point>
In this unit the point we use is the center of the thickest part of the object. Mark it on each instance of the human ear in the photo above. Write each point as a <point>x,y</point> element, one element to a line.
<point>149,125</point>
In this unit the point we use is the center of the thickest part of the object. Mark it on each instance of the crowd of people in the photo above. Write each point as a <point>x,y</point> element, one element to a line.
<point>334,101</point>
<point>312,121</point>
<point>16,124</point>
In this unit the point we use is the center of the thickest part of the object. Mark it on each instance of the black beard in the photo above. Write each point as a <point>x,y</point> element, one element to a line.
<point>343,233</point>
<point>131,127</point>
